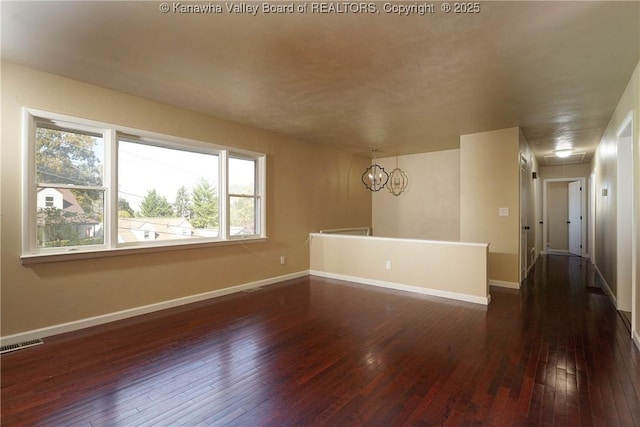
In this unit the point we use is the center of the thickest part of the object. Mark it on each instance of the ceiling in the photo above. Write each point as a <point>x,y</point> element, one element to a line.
<point>401,84</point>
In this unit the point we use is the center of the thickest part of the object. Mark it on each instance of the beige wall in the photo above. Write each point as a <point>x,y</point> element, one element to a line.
<point>565,171</point>
<point>633,94</point>
<point>489,180</point>
<point>604,166</point>
<point>448,269</point>
<point>430,207</point>
<point>558,215</point>
<point>310,187</point>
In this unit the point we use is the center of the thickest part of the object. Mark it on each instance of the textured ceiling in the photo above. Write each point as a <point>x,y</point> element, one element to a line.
<point>401,84</point>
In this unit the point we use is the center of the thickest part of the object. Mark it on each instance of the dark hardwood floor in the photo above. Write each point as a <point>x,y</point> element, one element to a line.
<point>322,352</point>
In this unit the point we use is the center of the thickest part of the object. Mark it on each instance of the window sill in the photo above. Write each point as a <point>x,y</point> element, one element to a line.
<point>106,253</point>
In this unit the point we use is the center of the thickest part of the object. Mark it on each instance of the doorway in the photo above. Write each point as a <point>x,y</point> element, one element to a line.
<point>563,228</point>
<point>624,213</point>
<point>524,223</point>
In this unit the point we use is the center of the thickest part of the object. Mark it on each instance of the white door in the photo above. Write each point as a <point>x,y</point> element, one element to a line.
<point>575,218</point>
<point>524,226</point>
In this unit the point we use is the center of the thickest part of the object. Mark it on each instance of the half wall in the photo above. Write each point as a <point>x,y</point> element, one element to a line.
<point>445,269</point>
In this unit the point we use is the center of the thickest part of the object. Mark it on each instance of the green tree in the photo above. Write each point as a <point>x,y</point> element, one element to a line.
<point>64,157</point>
<point>183,203</point>
<point>57,228</point>
<point>155,205</point>
<point>124,209</point>
<point>243,210</point>
<point>205,206</point>
<point>243,214</point>
<point>67,158</point>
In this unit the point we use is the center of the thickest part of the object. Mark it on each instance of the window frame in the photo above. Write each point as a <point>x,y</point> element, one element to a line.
<point>256,196</point>
<point>111,135</point>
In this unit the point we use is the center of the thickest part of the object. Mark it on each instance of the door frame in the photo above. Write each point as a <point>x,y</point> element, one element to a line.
<point>625,251</point>
<point>572,230</point>
<point>591,253</point>
<point>524,214</point>
<point>545,204</point>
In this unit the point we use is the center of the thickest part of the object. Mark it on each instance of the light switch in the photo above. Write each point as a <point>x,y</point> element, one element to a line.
<point>503,211</point>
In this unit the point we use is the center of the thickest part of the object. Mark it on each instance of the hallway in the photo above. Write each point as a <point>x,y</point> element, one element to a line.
<point>586,352</point>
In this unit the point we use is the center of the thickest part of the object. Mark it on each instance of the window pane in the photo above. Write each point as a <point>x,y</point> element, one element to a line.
<point>166,194</point>
<point>68,217</point>
<point>242,176</point>
<point>69,157</point>
<point>242,211</point>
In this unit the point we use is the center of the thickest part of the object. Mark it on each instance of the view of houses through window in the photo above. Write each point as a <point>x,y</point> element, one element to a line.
<point>165,191</point>
<point>166,194</point>
<point>69,216</point>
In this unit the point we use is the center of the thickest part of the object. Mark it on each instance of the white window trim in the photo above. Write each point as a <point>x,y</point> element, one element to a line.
<point>31,254</point>
<point>260,183</point>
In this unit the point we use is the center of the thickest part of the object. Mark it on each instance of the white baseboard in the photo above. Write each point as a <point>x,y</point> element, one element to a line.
<point>503,284</point>
<point>634,335</point>
<point>401,287</point>
<point>137,311</point>
<point>558,252</point>
<point>531,267</point>
<point>607,289</point>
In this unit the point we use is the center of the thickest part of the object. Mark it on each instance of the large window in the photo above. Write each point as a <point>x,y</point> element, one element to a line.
<point>92,187</point>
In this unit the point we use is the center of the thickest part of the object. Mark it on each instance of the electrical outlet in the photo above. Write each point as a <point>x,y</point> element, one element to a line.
<point>283,260</point>
<point>388,265</point>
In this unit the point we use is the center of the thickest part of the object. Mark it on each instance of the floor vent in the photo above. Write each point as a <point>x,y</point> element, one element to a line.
<point>594,290</point>
<point>20,346</point>
<point>248,291</point>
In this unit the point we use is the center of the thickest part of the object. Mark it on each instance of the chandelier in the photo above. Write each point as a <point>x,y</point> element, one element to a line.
<point>398,181</point>
<point>375,177</point>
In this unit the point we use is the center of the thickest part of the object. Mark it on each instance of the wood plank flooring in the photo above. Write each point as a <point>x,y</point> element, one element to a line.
<point>323,352</point>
